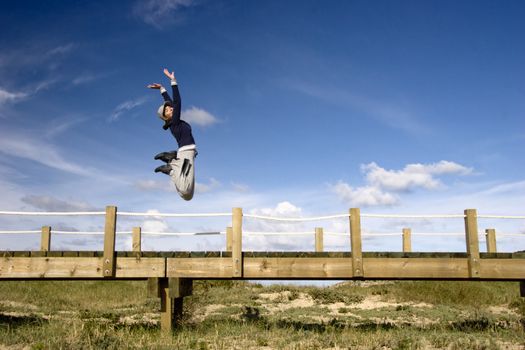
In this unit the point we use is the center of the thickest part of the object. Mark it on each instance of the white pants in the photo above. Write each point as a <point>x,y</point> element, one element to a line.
<point>183,173</point>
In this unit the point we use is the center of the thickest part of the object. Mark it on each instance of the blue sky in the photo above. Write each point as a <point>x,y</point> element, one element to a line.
<point>298,108</point>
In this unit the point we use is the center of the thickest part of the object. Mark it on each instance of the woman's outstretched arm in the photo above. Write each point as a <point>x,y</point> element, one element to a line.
<point>176,95</point>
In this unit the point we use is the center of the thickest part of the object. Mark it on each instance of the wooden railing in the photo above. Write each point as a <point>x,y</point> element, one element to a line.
<point>170,274</point>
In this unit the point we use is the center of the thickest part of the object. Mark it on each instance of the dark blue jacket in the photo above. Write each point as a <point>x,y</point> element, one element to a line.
<point>179,128</point>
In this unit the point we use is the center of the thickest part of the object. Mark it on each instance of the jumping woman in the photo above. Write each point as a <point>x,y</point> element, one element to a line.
<point>180,164</point>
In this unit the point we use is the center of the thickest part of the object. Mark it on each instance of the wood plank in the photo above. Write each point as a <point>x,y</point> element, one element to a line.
<point>471,235</point>
<point>153,287</point>
<point>199,267</point>
<point>229,238</point>
<point>319,246</point>
<point>237,242</point>
<point>143,267</point>
<point>407,268</point>
<point>407,240</point>
<point>166,306</point>
<point>490,238</point>
<point>355,242</point>
<point>45,241</point>
<point>136,244</point>
<point>502,268</point>
<point>297,268</point>
<point>78,267</point>
<point>108,265</point>
<point>180,287</point>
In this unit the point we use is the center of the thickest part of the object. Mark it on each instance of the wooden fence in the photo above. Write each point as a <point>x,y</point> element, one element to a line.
<point>170,274</point>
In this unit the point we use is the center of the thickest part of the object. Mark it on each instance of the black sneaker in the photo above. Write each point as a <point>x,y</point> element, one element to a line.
<point>166,169</point>
<point>166,156</point>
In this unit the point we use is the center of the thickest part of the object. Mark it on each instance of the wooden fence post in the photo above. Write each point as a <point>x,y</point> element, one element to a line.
<point>355,242</point>
<point>471,235</point>
<point>237,242</point>
<point>229,237</point>
<point>319,246</point>
<point>490,237</point>
<point>108,266</point>
<point>407,240</point>
<point>522,289</point>
<point>45,241</point>
<point>137,239</point>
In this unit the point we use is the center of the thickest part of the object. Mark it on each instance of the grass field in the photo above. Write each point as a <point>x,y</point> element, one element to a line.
<point>240,315</point>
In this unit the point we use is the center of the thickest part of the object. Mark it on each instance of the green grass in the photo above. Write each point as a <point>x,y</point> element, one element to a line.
<point>119,315</point>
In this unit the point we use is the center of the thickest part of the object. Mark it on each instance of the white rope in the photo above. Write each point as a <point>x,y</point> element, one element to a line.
<point>402,216</point>
<point>258,233</point>
<point>87,232</point>
<point>155,233</point>
<point>342,234</point>
<point>56,213</point>
<point>382,234</point>
<point>437,234</point>
<point>26,231</point>
<point>263,217</point>
<point>501,217</point>
<point>118,233</point>
<point>173,215</point>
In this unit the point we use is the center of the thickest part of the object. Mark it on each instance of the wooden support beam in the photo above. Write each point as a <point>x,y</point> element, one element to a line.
<point>178,308</point>
<point>136,245</point>
<point>355,242</point>
<point>319,246</point>
<point>166,306</point>
<point>490,237</point>
<point>229,238</point>
<point>108,265</point>
<point>180,287</point>
<point>45,241</point>
<point>237,242</point>
<point>471,235</point>
<point>407,240</point>
<point>153,287</point>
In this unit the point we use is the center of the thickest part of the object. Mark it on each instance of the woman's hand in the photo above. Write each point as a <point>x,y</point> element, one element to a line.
<point>154,86</point>
<point>169,75</point>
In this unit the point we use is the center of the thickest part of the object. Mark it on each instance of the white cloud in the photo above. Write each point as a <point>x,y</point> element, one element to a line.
<point>204,188</point>
<point>151,185</point>
<point>60,125</point>
<point>154,224</point>
<point>380,181</point>
<point>282,209</point>
<point>385,112</point>
<point>125,107</point>
<point>6,96</point>
<point>242,188</point>
<point>49,203</point>
<point>25,146</point>
<point>86,78</point>
<point>160,13</point>
<point>60,50</point>
<point>363,196</point>
<point>198,116</point>
<point>412,176</point>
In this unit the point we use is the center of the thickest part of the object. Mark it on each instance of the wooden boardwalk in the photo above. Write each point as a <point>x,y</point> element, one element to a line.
<point>170,274</point>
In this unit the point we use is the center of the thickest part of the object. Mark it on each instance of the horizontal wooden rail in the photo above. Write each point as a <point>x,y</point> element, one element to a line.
<point>261,265</point>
